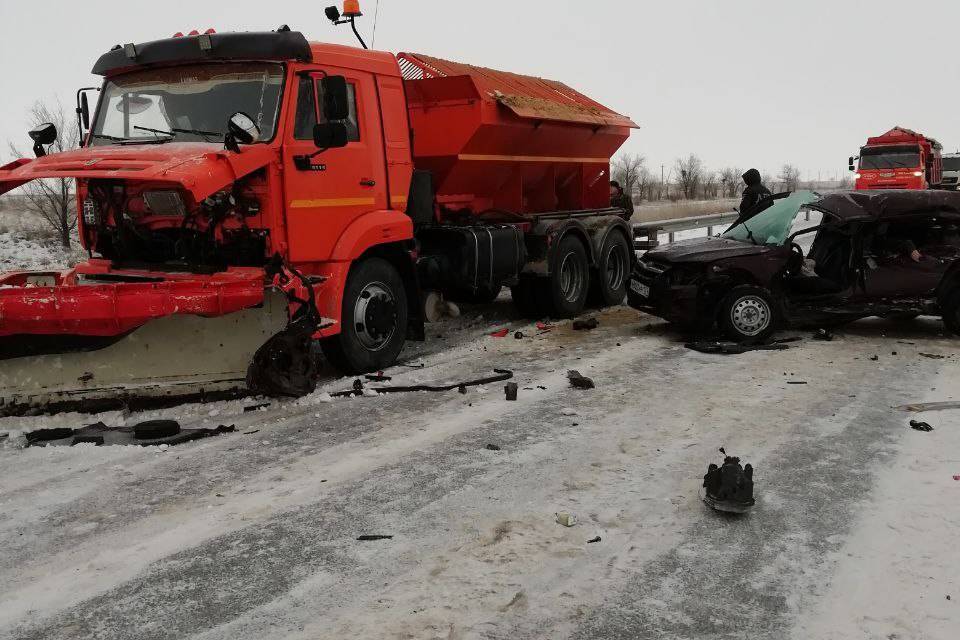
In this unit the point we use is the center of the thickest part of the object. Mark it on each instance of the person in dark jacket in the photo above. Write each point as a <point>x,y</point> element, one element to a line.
<point>620,199</point>
<point>754,192</point>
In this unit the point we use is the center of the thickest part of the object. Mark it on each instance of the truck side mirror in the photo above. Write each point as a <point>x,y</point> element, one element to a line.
<point>330,135</point>
<point>42,136</point>
<point>85,111</point>
<point>335,105</point>
<point>241,129</point>
<point>850,163</point>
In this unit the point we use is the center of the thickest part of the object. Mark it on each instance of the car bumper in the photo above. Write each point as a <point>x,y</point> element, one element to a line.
<point>652,293</point>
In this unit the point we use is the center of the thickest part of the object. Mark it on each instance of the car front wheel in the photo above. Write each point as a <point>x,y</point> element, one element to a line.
<point>748,313</point>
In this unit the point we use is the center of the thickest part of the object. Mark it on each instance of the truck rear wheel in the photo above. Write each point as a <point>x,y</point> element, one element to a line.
<point>614,270</point>
<point>569,281</point>
<point>373,319</point>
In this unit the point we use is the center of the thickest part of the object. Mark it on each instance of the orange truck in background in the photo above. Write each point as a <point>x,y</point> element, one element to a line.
<point>898,159</point>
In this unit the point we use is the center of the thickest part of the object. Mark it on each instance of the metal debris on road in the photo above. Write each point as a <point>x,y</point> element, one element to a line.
<point>796,382</point>
<point>510,390</point>
<point>359,389</point>
<point>916,425</point>
<point>256,407</point>
<point>492,447</point>
<point>733,348</point>
<point>932,356</point>
<point>920,407</point>
<point>566,519</point>
<point>370,538</point>
<point>729,487</point>
<point>146,434</point>
<point>823,334</point>
<point>500,333</point>
<point>592,540</point>
<point>518,335</point>
<point>579,381</point>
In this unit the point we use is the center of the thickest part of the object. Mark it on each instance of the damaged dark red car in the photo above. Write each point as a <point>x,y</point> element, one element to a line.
<point>803,259</point>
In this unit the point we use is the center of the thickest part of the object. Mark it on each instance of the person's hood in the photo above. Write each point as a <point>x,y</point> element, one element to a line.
<point>200,168</point>
<point>751,177</point>
<point>702,250</point>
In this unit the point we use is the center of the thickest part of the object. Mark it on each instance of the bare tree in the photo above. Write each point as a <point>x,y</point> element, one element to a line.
<point>767,180</point>
<point>630,172</point>
<point>789,177</point>
<point>689,175</point>
<point>711,185</point>
<point>732,181</point>
<point>52,200</point>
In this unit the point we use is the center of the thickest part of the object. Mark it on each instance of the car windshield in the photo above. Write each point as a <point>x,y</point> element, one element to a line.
<point>890,157</point>
<point>189,103</point>
<point>774,224</point>
<point>951,164</point>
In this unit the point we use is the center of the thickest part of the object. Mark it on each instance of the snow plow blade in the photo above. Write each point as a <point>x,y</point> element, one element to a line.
<point>173,359</point>
<point>95,338</point>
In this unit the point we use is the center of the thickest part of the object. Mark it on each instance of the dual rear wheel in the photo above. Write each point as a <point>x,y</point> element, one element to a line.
<point>564,293</point>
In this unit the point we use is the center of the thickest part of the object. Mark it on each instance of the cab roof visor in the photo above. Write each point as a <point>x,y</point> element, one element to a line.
<point>269,45</point>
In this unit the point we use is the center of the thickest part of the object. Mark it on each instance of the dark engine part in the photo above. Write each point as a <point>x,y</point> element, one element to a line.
<point>470,258</point>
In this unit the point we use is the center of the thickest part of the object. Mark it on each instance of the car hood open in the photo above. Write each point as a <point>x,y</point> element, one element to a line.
<point>200,168</point>
<point>702,250</point>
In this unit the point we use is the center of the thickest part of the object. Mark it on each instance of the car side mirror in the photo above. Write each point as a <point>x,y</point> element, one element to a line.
<point>43,135</point>
<point>241,129</point>
<point>335,105</point>
<point>330,135</point>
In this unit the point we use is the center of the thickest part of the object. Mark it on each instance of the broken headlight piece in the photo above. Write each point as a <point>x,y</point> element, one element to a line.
<point>164,203</point>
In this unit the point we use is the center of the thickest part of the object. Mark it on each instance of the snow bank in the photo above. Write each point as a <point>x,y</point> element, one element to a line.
<point>18,251</point>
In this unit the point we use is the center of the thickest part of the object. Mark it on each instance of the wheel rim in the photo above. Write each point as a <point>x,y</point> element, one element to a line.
<point>616,269</point>
<point>375,316</point>
<point>571,278</point>
<point>750,315</point>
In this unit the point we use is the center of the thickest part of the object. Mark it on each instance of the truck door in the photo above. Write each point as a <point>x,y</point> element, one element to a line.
<point>324,194</point>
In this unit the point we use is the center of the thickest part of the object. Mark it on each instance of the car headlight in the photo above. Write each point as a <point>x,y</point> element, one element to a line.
<point>917,174</point>
<point>164,203</point>
<point>857,176</point>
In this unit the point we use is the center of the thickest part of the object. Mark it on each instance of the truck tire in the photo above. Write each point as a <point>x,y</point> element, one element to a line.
<point>950,308</point>
<point>569,281</point>
<point>373,319</point>
<point>613,270</point>
<point>748,313</point>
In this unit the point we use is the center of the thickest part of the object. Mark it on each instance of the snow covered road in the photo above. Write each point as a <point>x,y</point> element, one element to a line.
<point>253,535</point>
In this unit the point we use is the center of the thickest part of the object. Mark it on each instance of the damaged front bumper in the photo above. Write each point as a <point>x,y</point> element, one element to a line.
<point>679,294</point>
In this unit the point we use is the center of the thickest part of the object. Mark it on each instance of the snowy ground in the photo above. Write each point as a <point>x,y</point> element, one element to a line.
<point>21,250</point>
<point>253,535</point>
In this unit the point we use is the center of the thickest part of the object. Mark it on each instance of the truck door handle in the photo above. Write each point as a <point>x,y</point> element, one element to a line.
<point>367,182</point>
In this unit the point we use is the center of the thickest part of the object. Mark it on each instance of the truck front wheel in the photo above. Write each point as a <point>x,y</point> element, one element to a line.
<point>373,319</point>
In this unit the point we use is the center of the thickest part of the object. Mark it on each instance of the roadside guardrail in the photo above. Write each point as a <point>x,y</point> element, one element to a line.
<point>646,234</point>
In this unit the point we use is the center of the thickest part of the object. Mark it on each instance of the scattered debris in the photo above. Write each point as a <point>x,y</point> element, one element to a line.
<point>567,412</point>
<point>733,348</point>
<point>164,433</point>
<point>378,377</point>
<point>250,433</point>
<point>932,356</point>
<point>544,327</point>
<point>462,389</point>
<point>592,540</point>
<point>370,538</point>
<point>566,519</point>
<point>86,377</point>
<point>796,382</point>
<point>492,447</point>
<point>359,390</point>
<point>586,325</point>
<point>929,406</point>
<point>510,390</point>
<point>256,407</point>
<point>729,487</point>
<point>578,381</point>
<point>518,335</point>
<point>916,425</point>
<point>500,333</point>
<point>957,478</point>
<point>823,334</point>
<point>874,358</point>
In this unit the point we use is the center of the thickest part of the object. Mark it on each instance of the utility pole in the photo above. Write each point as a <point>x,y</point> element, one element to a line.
<point>661,183</point>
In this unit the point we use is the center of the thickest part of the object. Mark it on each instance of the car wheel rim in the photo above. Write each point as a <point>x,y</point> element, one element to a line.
<point>571,278</point>
<point>616,269</point>
<point>750,315</point>
<point>375,316</point>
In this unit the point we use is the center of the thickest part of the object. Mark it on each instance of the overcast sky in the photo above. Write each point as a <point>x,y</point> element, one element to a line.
<point>742,83</point>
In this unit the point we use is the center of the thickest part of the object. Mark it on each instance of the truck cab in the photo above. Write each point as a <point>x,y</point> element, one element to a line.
<point>951,171</point>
